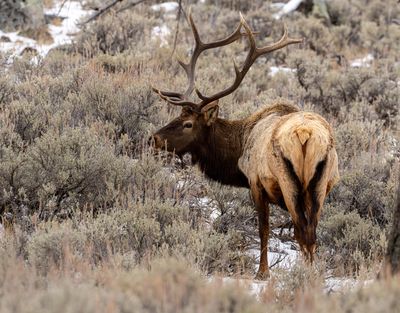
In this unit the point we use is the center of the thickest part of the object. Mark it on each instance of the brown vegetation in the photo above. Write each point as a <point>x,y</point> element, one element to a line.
<point>96,214</point>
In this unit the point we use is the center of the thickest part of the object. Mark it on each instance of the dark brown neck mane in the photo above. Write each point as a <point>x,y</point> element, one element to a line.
<point>218,156</point>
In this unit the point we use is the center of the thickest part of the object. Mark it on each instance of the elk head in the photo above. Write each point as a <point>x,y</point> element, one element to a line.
<point>191,129</point>
<point>188,130</point>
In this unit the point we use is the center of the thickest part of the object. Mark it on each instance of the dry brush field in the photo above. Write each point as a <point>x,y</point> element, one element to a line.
<point>95,221</point>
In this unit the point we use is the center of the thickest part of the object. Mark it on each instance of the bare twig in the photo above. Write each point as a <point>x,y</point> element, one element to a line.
<point>278,260</point>
<point>131,5</point>
<point>61,6</point>
<point>108,7</point>
<point>178,19</point>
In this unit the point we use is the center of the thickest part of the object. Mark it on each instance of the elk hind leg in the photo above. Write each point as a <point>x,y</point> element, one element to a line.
<point>262,207</point>
<point>294,198</point>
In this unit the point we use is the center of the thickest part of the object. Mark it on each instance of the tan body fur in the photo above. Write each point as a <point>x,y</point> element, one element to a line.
<point>305,139</point>
<point>288,135</point>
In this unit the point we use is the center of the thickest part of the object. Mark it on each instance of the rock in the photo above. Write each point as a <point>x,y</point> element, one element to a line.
<point>5,39</point>
<point>30,51</point>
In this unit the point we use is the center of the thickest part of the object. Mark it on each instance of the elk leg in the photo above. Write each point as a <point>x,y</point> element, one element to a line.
<point>263,229</point>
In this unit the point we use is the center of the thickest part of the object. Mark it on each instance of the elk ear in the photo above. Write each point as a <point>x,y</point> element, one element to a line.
<point>211,113</point>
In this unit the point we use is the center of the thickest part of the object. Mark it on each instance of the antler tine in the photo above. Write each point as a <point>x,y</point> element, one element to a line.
<point>175,99</point>
<point>253,54</point>
<point>283,42</point>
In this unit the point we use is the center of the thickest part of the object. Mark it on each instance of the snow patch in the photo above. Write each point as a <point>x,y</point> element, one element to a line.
<point>277,5</point>
<point>17,43</point>
<point>273,70</point>
<point>1,230</point>
<point>341,284</point>
<point>280,254</point>
<point>71,13</point>
<point>257,287</point>
<point>161,33</point>
<point>336,284</point>
<point>207,204</point>
<point>363,62</point>
<point>394,152</point>
<point>254,287</point>
<point>165,6</point>
<point>287,8</point>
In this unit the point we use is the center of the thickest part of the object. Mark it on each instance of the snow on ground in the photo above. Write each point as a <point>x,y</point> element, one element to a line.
<point>206,203</point>
<point>257,287</point>
<point>17,43</point>
<point>394,152</point>
<point>287,8</point>
<point>165,6</point>
<point>161,33</point>
<point>169,10</point>
<point>363,62</point>
<point>1,230</point>
<point>71,12</point>
<point>336,284</point>
<point>276,69</point>
<point>280,254</point>
<point>254,287</point>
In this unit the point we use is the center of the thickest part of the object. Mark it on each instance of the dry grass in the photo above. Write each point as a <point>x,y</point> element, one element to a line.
<point>167,284</point>
<point>41,35</point>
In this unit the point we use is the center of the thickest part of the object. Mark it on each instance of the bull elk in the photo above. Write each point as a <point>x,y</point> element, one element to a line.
<point>283,155</point>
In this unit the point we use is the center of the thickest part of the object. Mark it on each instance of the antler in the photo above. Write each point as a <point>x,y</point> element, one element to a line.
<point>182,99</point>
<point>254,52</point>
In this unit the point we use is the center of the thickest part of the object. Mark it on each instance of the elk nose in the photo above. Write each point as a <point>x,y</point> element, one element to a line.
<point>156,141</point>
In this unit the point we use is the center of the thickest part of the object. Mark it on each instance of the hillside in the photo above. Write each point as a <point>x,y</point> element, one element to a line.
<point>94,220</point>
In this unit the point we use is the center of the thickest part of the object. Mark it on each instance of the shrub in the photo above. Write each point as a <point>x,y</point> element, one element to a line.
<point>74,169</point>
<point>115,33</point>
<point>319,39</point>
<point>349,240</point>
<point>47,249</point>
<point>126,104</point>
<point>73,148</point>
<point>368,164</point>
<point>172,286</point>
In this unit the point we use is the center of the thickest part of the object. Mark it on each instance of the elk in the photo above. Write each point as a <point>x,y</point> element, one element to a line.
<point>283,155</point>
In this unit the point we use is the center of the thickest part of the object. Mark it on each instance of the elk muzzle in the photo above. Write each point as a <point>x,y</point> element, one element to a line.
<point>156,141</point>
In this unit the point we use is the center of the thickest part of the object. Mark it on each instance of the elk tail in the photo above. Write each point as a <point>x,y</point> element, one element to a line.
<point>304,153</point>
<point>300,146</point>
<point>304,133</point>
<point>314,149</point>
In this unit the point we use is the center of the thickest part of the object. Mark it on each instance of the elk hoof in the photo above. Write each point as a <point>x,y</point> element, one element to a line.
<point>262,275</point>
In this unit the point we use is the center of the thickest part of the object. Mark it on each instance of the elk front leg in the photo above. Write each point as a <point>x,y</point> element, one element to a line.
<point>263,229</point>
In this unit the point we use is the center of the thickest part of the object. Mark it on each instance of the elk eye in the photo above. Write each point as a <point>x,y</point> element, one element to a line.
<point>188,125</point>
